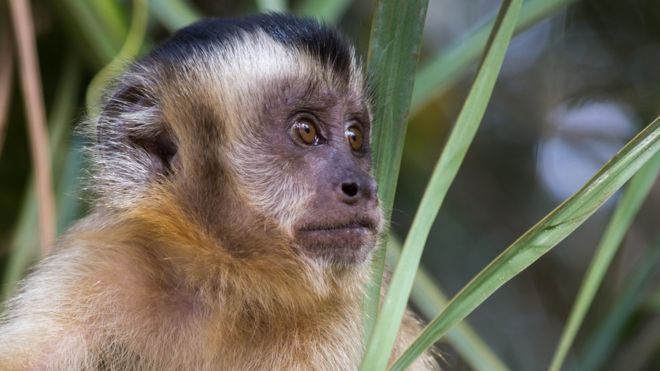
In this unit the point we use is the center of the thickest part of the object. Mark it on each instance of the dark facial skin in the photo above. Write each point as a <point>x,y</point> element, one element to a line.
<point>323,135</point>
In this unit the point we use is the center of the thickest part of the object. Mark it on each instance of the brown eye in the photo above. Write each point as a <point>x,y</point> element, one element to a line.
<point>354,136</point>
<point>306,131</point>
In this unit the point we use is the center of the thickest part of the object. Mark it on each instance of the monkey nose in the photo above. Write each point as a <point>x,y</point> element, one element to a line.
<point>355,190</point>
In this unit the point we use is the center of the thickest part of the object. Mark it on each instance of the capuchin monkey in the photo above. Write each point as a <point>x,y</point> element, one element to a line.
<point>234,218</point>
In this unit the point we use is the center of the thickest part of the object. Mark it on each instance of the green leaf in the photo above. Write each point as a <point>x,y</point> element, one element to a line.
<point>450,65</point>
<point>430,300</point>
<point>128,52</point>
<point>394,305</point>
<point>639,350</point>
<point>174,14</point>
<point>606,335</point>
<point>653,303</point>
<point>69,202</point>
<point>112,18</point>
<point>272,5</point>
<point>24,243</point>
<point>84,26</point>
<point>394,47</point>
<point>627,208</point>
<point>328,11</point>
<point>541,238</point>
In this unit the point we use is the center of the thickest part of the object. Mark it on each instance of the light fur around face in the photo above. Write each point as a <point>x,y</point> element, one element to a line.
<point>191,257</point>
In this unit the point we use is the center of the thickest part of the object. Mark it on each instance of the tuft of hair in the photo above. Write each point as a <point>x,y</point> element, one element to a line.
<point>307,35</point>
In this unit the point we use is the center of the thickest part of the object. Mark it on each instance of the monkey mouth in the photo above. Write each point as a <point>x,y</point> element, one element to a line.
<point>361,224</point>
<point>339,241</point>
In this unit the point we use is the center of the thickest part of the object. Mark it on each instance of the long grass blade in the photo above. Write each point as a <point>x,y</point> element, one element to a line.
<point>272,5</point>
<point>79,17</point>
<point>24,244</point>
<point>605,337</point>
<point>541,238</point>
<point>653,303</point>
<point>112,18</point>
<point>449,66</point>
<point>36,118</point>
<point>328,11</point>
<point>6,80</point>
<point>128,51</point>
<point>66,155</point>
<point>638,353</point>
<point>627,208</point>
<point>389,319</point>
<point>174,14</point>
<point>430,300</point>
<point>69,200</point>
<point>394,47</point>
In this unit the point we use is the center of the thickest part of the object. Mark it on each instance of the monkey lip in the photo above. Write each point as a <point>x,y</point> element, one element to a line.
<point>345,242</point>
<point>361,225</point>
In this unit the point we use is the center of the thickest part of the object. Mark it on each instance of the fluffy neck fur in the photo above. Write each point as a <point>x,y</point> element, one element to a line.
<point>276,309</point>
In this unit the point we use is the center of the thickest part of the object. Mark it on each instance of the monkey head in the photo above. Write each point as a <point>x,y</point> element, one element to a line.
<point>258,129</point>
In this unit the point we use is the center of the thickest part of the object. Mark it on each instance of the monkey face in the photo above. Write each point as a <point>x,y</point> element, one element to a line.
<point>340,219</point>
<point>308,165</point>
<point>259,134</point>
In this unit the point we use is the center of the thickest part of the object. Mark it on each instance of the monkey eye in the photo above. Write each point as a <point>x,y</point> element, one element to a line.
<point>307,132</point>
<point>354,136</point>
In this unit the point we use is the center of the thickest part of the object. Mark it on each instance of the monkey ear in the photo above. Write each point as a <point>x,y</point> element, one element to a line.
<point>131,125</point>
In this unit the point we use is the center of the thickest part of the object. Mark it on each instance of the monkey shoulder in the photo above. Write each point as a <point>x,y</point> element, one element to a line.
<point>86,298</point>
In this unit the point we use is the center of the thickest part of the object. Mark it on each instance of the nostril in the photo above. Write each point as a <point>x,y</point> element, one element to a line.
<point>350,189</point>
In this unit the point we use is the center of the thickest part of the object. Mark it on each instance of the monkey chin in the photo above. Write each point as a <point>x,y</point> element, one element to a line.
<point>344,244</point>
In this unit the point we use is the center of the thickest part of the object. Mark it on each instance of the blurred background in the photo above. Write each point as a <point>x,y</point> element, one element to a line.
<point>574,87</point>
